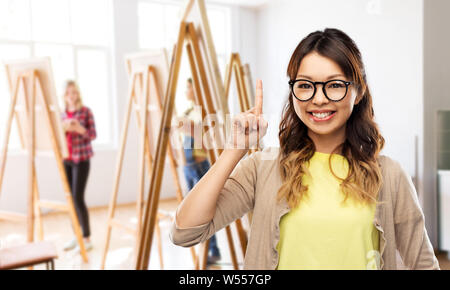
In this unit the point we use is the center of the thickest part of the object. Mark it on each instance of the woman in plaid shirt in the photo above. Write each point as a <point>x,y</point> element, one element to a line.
<point>79,126</point>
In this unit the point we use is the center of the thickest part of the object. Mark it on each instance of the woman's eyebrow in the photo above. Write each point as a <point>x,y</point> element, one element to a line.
<point>329,77</point>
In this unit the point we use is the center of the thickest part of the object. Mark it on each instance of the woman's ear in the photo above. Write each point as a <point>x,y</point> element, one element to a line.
<point>357,100</point>
<point>360,95</point>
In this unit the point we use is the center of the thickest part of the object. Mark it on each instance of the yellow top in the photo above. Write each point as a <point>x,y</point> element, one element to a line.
<point>193,113</point>
<point>321,233</point>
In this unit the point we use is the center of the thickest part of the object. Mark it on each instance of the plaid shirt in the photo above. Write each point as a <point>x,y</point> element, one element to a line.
<point>81,144</point>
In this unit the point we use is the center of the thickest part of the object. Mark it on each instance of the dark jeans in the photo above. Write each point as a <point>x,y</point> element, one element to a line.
<point>77,175</point>
<point>193,172</point>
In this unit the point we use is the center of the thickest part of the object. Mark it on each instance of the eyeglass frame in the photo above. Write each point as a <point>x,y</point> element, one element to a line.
<point>292,83</point>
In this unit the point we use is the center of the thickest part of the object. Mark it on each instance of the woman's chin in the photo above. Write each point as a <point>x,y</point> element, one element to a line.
<point>321,130</point>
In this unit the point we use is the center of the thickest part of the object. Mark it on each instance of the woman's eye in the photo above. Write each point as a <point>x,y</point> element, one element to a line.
<point>304,86</point>
<point>335,85</point>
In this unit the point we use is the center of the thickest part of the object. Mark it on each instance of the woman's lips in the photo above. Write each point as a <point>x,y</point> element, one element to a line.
<point>321,117</point>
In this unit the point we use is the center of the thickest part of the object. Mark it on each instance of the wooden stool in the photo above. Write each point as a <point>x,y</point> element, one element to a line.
<point>28,255</point>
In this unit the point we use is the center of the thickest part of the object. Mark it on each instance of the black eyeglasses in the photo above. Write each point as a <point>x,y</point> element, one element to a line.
<point>304,90</point>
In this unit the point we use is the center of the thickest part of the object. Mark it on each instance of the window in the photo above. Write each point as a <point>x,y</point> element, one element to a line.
<point>91,65</point>
<point>75,35</point>
<point>159,23</point>
<point>15,20</point>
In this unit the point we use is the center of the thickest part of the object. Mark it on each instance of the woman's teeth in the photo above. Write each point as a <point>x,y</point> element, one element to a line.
<point>321,115</point>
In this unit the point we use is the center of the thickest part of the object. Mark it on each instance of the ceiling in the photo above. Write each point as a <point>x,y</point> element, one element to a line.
<point>244,3</point>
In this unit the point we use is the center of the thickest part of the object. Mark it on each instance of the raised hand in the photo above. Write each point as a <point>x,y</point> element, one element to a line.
<point>249,127</point>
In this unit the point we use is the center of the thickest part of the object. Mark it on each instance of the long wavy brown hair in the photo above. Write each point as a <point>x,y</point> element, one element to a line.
<point>363,140</point>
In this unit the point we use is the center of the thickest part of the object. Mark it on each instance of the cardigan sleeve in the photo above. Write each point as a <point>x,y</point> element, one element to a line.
<point>235,200</point>
<point>411,235</point>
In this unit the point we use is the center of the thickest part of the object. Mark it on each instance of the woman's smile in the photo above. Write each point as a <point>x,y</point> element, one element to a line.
<point>321,115</point>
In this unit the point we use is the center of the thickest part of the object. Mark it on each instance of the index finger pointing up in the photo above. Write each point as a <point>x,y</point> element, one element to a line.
<point>259,97</point>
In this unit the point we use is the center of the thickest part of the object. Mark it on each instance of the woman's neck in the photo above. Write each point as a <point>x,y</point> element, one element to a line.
<point>328,143</point>
<point>71,108</point>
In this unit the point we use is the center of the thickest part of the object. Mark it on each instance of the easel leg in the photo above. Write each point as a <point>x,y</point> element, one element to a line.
<point>158,238</point>
<point>163,137</point>
<point>142,150</point>
<point>243,100</point>
<point>113,201</point>
<point>59,163</point>
<point>204,255</point>
<point>76,226</point>
<point>228,74</point>
<point>179,193</point>
<point>242,236</point>
<point>239,88</point>
<point>232,250</point>
<point>37,210</point>
<point>8,130</point>
<point>31,161</point>
<point>173,166</point>
<point>31,197</point>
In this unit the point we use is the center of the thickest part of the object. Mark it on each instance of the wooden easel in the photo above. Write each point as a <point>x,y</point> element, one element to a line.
<point>243,83</point>
<point>203,98</point>
<point>142,83</point>
<point>30,80</point>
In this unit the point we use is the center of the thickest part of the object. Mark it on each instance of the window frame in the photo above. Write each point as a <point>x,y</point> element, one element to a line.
<point>107,49</point>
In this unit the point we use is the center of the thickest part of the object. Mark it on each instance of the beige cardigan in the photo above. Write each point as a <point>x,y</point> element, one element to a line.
<point>253,185</point>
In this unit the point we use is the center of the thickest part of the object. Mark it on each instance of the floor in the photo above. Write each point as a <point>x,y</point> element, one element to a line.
<point>121,253</point>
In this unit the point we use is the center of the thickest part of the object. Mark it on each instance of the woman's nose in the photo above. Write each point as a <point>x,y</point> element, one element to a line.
<point>320,97</point>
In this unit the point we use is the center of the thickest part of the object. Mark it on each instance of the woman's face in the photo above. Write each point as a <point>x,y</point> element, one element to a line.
<point>72,95</point>
<point>320,115</point>
<point>189,91</point>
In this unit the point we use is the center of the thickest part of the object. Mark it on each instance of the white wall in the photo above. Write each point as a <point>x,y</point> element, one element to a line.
<point>436,97</point>
<point>391,45</point>
<point>243,41</point>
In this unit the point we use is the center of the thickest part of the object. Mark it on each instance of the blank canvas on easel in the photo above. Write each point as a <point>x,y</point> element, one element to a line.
<point>43,143</point>
<point>139,63</point>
